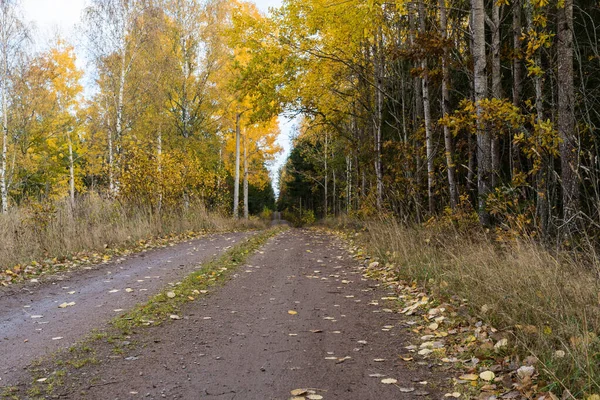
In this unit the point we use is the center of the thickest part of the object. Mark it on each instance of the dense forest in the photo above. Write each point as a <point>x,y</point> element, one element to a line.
<point>443,107</point>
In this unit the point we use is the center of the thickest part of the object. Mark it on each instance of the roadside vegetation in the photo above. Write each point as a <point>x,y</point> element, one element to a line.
<point>49,237</point>
<point>544,302</point>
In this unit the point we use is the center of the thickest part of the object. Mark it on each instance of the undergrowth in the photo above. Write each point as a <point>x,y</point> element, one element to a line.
<point>39,235</point>
<point>549,301</point>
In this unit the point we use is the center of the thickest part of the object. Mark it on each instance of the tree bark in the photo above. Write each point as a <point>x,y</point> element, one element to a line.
<point>484,142</point>
<point>378,122</point>
<point>496,88</point>
<point>325,178</point>
<point>566,114</point>
<point>159,168</point>
<point>517,66</point>
<point>246,205</point>
<point>3,164</point>
<point>452,186</point>
<point>236,180</point>
<point>71,171</point>
<point>427,117</point>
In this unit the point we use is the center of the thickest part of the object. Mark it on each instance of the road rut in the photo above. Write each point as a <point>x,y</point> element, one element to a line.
<point>32,324</point>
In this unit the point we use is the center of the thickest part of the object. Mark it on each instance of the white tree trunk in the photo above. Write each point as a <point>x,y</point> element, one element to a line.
<point>484,143</point>
<point>496,87</point>
<point>71,171</point>
<point>246,205</point>
<point>348,184</point>
<point>236,180</point>
<point>3,165</point>
<point>379,72</point>
<point>326,177</point>
<point>453,187</point>
<point>159,167</point>
<point>427,117</point>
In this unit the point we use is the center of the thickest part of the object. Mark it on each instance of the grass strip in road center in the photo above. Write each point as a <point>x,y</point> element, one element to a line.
<point>166,305</point>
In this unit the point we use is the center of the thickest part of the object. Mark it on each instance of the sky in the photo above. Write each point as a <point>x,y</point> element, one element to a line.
<point>50,17</point>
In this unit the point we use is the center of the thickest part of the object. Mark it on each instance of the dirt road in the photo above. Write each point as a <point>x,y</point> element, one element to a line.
<point>298,315</point>
<point>33,323</point>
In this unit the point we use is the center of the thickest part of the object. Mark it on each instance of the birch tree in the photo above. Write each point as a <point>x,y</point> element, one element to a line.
<point>13,34</point>
<point>115,28</point>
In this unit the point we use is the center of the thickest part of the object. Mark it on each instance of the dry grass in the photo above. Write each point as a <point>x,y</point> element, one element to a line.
<point>550,302</point>
<point>58,230</point>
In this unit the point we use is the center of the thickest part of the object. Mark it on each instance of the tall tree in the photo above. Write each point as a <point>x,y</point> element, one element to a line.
<point>13,34</point>
<point>484,142</point>
<point>566,112</point>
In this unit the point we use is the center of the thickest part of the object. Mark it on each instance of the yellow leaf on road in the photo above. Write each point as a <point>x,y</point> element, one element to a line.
<point>292,312</point>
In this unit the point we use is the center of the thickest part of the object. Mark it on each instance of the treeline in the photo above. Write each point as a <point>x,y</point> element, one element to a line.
<point>158,126</point>
<point>445,106</point>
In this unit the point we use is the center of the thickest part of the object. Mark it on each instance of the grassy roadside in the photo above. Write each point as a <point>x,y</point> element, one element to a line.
<point>50,373</point>
<point>37,242</point>
<point>545,305</point>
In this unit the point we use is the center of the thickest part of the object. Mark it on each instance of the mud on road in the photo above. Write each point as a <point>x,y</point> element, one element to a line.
<point>298,315</point>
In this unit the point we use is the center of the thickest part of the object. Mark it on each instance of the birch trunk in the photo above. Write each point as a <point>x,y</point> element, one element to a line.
<point>348,184</point>
<point>517,76</point>
<point>496,87</point>
<point>71,171</point>
<point>379,71</point>
<point>326,174</point>
<point>236,183</point>
<point>246,206</point>
<point>452,186</point>
<point>427,117</point>
<point>159,167</point>
<point>3,164</point>
<point>484,143</point>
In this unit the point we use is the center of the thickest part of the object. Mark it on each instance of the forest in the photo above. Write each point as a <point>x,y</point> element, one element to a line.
<point>430,108</point>
<point>457,140</point>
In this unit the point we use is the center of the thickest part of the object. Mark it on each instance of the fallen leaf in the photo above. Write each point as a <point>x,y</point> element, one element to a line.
<point>129,290</point>
<point>456,395</point>
<point>501,344</point>
<point>487,376</point>
<point>298,392</point>
<point>42,380</point>
<point>57,338</point>
<point>314,397</point>
<point>389,381</point>
<point>407,389</point>
<point>525,372</point>
<point>292,312</point>
<point>174,317</point>
<point>65,305</point>
<point>468,377</point>
<point>171,295</point>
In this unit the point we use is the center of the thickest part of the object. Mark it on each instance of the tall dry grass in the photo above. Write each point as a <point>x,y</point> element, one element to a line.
<point>56,230</point>
<point>550,302</point>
